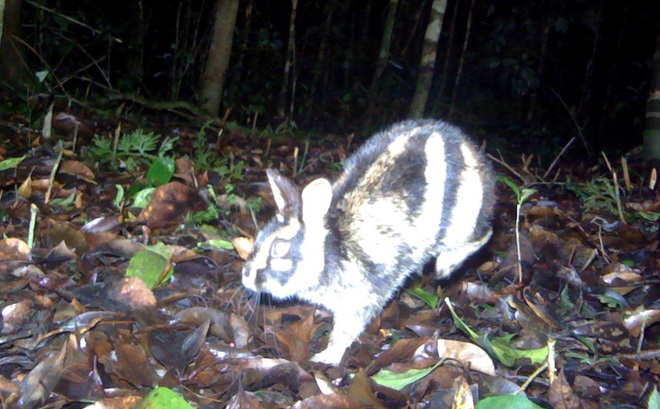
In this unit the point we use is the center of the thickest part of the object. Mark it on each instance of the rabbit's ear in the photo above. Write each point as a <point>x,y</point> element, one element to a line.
<point>316,198</point>
<point>285,193</point>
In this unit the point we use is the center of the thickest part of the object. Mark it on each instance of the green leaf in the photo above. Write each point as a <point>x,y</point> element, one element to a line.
<point>10,163</point>
<point>499,347</point>
<point>650,216</point>
<point>152,265</point>
<point>167,145</point>
<point>654,399</point>
<point>507,402</point>
<point>143,197</point>
<point>65,202</point>
<point>460,324</point>
<point>502,349</point>
<point>160,171</point>
<point>121,193</point>
<point>429,298</point>
<point>205,216</point>
<point>612,299</point>
<point>511,184</point>
<point>163,398</point>
<point>41,75</point>
<point>526,193</point>
<point>588,342</point>
<point>399,381</point>
<point>220,244</point>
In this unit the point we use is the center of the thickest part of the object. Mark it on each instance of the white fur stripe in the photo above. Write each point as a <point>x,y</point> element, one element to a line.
<point>469,199</point>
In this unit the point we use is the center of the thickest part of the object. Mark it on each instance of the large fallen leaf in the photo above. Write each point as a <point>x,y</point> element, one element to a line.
<point>507,402</point>
<point>399,381</point>
<point>467,353</point>
<point>163,398</point>
<point>228,326</point>
<point>169,205</point>
<point>152,265</point>
<point>41,380</point>
<point>10,163</point>
<point>500,347</point>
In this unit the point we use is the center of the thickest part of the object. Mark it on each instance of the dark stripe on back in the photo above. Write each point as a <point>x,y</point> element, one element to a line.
<point>455,166</point>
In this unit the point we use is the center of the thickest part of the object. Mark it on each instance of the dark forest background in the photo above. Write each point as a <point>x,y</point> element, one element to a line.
<point>533,74</point>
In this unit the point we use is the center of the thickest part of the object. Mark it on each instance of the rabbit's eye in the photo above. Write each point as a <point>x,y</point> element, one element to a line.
<point>280,248</point>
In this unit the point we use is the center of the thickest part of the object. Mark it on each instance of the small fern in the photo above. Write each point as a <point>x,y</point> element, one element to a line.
<point>133,150</point>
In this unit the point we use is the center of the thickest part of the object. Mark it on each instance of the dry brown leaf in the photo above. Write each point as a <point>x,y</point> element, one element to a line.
<point>402,350</point>
<point>641,319</point>
<point>228,326</point>
<point>243,400</point>
<point>14,249</point>
<point>65,122</point>
<point>181,254</point>
<point>124,402</point>
<point>65,232</point>
<point>15,316</point>
<point>166,346</point>
<point>184,169</point>
<point>243,246</point>
<point>169,205</point>
<point>193,343</point>
<point>77,169</point>
<point>361,391</point>
<point>561,394</point>
<point>467,353</point>
<point>294,339</point>
<point>41,380</point>
<point>335,401</point>
<point>463,396</point>
<point>125,248</point>
<point>619,274</point>
<point>132,365</point>
<point>132,292</point>
<point>101,230</point>
<point>25,189</point>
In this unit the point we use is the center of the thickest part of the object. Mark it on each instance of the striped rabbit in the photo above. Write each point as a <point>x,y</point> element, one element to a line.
<point>416,192</point>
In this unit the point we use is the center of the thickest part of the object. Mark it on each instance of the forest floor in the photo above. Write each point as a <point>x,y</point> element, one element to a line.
<point>120,270</point>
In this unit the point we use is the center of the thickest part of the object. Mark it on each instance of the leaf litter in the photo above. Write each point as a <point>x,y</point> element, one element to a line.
<point>567,318</point>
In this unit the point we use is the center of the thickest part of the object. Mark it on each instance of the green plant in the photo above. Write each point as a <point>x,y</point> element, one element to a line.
<point>202,156</point>
<point>132,150</point>
<point>231,171</point>
<point>604,194</point>
<point>521,196</point>
<point>598,194</point>
<point>254,205</point>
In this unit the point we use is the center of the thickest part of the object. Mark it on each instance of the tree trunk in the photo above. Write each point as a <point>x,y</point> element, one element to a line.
<point>321,64</point>
<point>244,41</point>
<point>2,18</point>
<point>383,56</point>
<point>215,71</point>
<point>13,69</point>
<point>445,67</point>
<point>543,55</point>
<point>652,126</point>
<point>461,62</point>
<point>135,58</point>
<point>427,61</point>
<point>289,64</point>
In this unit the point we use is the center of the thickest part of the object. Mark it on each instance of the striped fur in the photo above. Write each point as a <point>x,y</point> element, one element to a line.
<point>415,192</point>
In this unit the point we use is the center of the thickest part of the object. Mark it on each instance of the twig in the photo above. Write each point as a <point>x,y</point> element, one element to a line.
<point>70,19</point>
<point>503,163</point>
<point>577,126</point>
<point>554,162</point>
<point>50,70</point>
<point>617,195</point>
<point>53,172</point>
